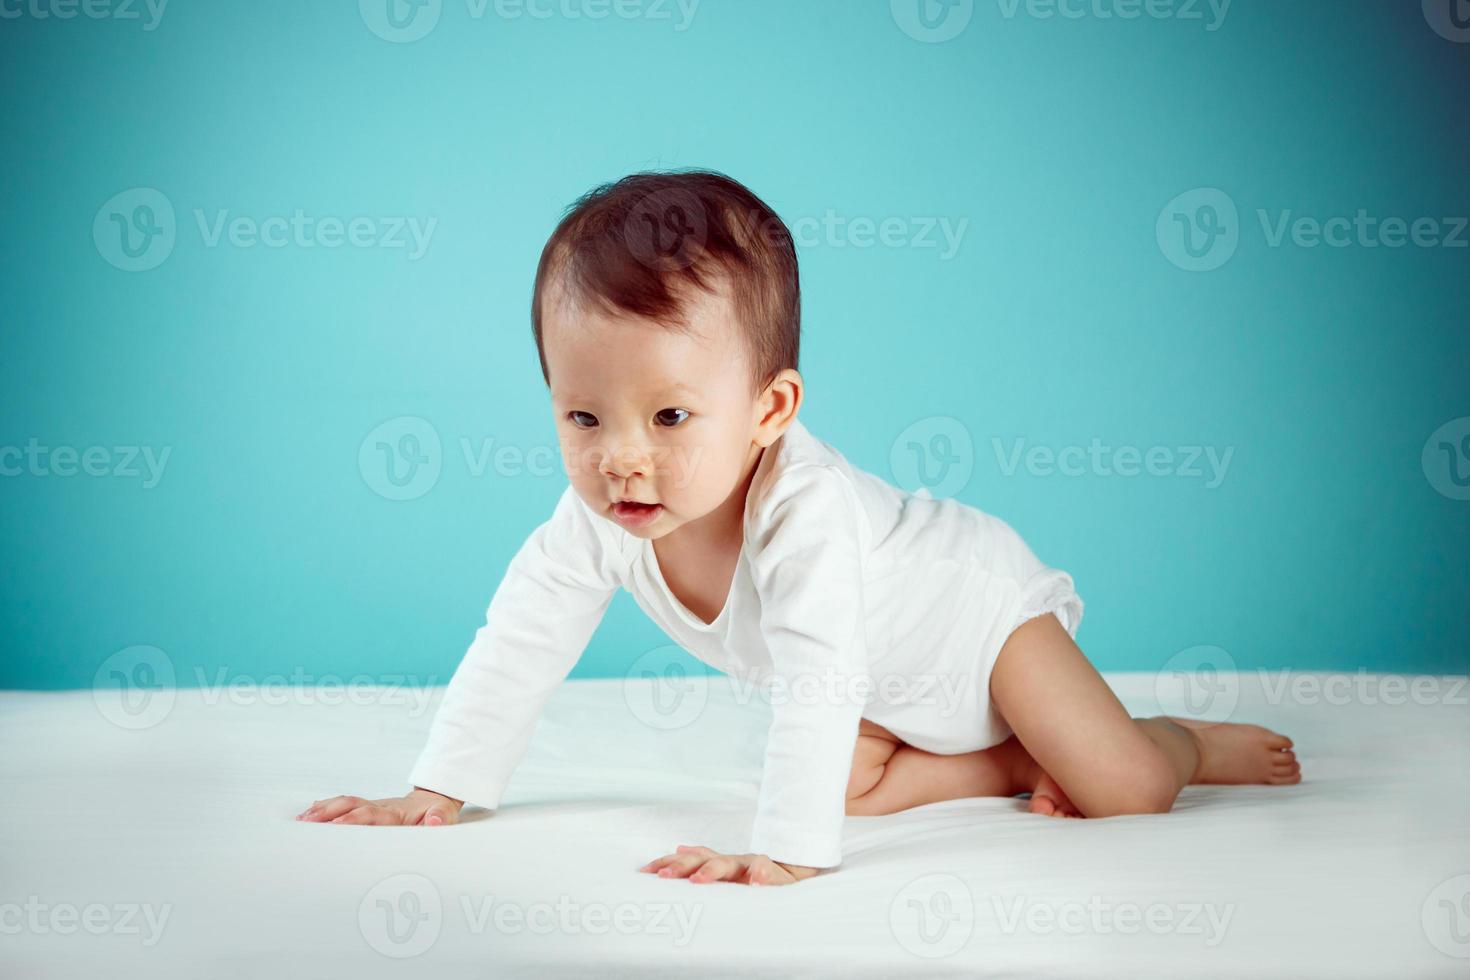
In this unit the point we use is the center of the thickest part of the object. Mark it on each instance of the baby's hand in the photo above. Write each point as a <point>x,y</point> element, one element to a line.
<point>418,808</point>
<point>700,864</point>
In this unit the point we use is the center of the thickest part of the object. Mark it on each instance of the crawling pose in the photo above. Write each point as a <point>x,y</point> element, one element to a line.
<point>934,648</point>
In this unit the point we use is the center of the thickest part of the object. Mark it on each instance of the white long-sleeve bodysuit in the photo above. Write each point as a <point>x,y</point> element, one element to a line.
<point>851,598</point>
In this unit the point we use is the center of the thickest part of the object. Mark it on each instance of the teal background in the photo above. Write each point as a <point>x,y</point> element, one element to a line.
<point>265,550</point>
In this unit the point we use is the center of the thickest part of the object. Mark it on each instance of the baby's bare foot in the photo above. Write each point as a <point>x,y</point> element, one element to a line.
<point>1233,753</point>
<point>1048,799</point>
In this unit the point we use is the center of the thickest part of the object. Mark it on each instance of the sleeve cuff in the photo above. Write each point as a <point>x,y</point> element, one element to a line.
<point>475,790</point>
<point>793,844</point>
<point>1050,591</point>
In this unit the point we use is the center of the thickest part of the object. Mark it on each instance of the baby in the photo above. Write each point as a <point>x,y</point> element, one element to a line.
<point>667,315</point>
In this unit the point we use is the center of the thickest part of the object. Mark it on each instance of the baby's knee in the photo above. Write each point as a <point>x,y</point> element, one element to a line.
<point>1151,786</point>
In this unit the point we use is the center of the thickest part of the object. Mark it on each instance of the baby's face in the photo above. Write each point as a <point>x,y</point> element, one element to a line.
<point>649,414</point>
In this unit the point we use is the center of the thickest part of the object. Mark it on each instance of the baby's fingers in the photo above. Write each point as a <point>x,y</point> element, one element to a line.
<point>719,868</point>
<point>370,814</point>
<point>330,809</point>
<point>440,814</point>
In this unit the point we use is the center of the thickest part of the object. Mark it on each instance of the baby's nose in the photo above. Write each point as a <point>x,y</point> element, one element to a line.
<point>625,460</point>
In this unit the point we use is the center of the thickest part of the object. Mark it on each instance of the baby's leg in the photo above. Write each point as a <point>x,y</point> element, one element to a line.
<point>1078,731</point>
<point>889,775</point>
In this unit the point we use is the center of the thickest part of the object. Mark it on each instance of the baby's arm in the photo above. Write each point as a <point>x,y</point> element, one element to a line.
<point>807,565</point>
<point>554,593</point>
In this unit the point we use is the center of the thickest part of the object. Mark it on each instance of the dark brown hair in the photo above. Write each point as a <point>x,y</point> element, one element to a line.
<point>638,245</point>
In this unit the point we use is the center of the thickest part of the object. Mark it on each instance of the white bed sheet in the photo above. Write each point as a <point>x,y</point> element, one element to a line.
<point>1353,873</point>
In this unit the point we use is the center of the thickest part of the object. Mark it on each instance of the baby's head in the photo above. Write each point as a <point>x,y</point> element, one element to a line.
<point>667,313</point>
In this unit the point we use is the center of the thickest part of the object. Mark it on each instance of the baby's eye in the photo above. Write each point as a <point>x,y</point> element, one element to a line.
<point>663,417</point>
<point>572,417</point>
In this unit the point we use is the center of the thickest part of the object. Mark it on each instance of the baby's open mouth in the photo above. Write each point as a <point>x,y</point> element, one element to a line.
<point>633,514</point>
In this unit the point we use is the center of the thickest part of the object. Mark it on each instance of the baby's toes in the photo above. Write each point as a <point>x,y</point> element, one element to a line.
<point>1044,805</point>
<point>1276,741</point>
<point>1285,772</point>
